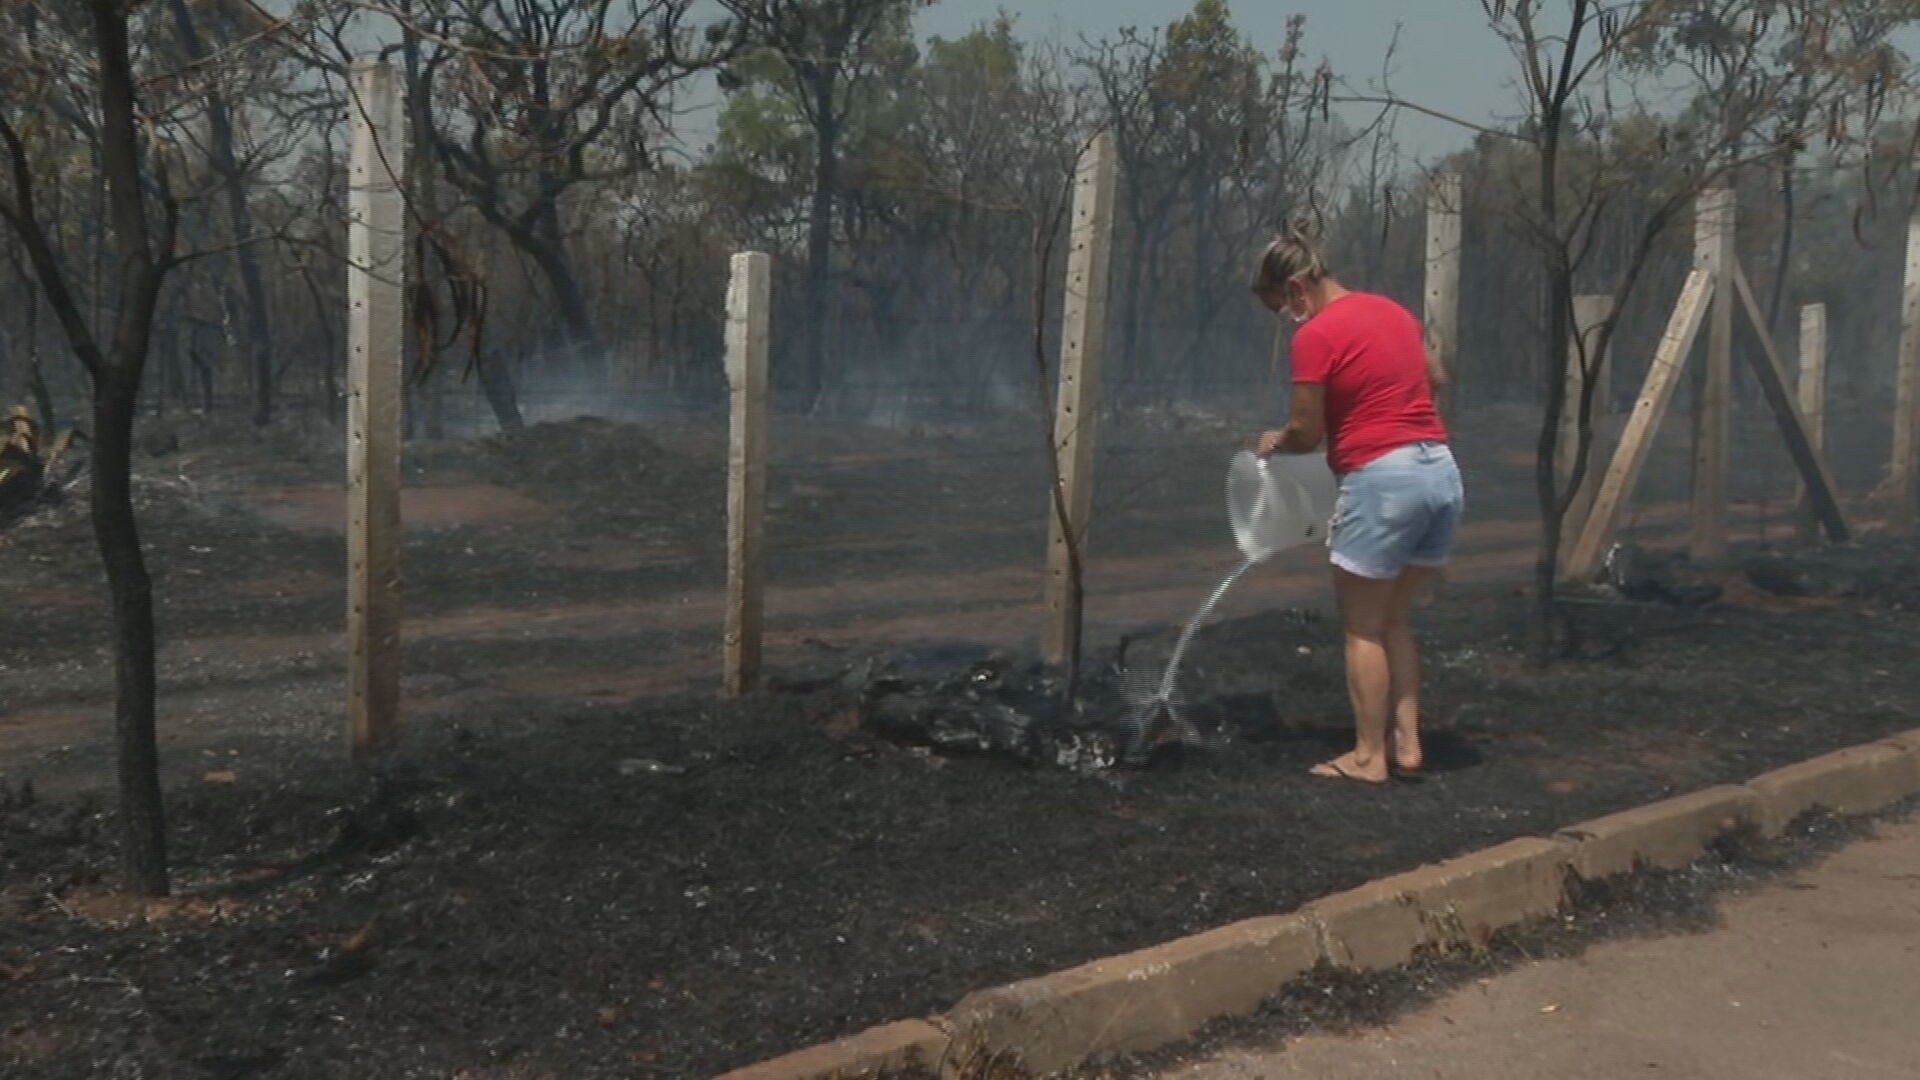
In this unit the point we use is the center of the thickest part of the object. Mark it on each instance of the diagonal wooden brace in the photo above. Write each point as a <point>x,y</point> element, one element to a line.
<point>1637,439</point>
<point>1821,492</point>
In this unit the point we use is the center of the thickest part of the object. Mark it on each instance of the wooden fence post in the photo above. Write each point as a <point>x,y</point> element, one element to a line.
<point>1636,439</point>
<point>1813,406</point>
<point>376,285</point>
<point>1906,394</point>
<point>1442,314</point>
<point>1713,252</point>
<point>749,294</point>
<point>1084,335</point>
<point>1772,373</point>
<point>1589,313</point>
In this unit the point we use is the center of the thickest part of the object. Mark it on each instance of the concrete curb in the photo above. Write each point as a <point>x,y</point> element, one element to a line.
<point>1452,904</point>
<point>909,1044</point>
<point>1851,781</point>
<point>1665,835</point>
<point>1127,1003</point>
<point>1907,740</point>
<point>1158,996</point>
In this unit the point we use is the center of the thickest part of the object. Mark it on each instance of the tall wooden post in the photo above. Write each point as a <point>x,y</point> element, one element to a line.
<point>376,285</point>
<point>749,296</point>
<point>1713,251</point>
<point>1442,314</point>
<point>1774,386</point>
<point>1589,313</point>
<point>1084,336</point>
<point>1906,394</point>
<point>1636,437</point>
<point>1813,406</point>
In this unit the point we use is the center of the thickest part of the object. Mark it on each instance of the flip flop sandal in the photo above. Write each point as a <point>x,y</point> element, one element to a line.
<point>1333,770</point>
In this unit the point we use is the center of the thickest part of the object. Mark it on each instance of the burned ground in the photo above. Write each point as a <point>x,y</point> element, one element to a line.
<point>583,864</point>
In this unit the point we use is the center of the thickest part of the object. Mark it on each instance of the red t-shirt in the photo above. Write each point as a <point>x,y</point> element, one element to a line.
<point>1370,355</point>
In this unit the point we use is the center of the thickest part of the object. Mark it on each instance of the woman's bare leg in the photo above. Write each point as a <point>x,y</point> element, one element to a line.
<point>1403,664</point>
<point>1365,607</point>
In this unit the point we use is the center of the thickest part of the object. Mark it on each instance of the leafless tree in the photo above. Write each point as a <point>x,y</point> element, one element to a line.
<point>822,53</point>
<point>522,102</point>
<point>1758,81</point>
<point>71,77</point>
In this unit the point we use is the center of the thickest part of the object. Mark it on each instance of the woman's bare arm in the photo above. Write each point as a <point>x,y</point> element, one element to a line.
<point>1437,377</point>
<point>1306,428</point>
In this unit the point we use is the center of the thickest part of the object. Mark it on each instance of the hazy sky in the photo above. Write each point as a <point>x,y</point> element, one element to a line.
<point>1447,58</point>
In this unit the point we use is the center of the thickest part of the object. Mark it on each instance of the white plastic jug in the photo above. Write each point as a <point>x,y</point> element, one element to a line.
<point>1278,502</point>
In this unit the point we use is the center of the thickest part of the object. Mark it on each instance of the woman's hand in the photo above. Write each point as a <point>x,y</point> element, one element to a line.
<point>1270,443</point>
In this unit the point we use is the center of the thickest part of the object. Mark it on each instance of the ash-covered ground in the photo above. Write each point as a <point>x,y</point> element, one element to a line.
<point>583,863</point>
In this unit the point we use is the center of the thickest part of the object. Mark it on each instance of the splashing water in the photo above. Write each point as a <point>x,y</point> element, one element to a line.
<point>1273,504</point>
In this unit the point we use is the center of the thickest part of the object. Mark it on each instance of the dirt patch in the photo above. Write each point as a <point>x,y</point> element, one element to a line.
<point>617,473</point>
<point>610,688</point>
<point>323,507</point>
<point>27,731</point>
<point>1738,591</point>
<point>53,597</point>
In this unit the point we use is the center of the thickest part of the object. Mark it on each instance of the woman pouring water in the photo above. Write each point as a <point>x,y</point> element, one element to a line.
<point>1363,383</point>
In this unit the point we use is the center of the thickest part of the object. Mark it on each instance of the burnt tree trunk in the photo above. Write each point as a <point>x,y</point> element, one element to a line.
<point>826,181</point>
<point>166,344</point>
<point>226,163</point>
<point>424,196</point>
<point>203,374</point>
<point>1546,465</point>
<point>582,337</point>
<point>546,246</point>
<point>143,834</point>
<point>496,383</point>
<point>254,291</point>
<point>1559,283</point>
<point>36,377</point>
<point>332,403</point>
<point>143,260</point>
<point>116,392</point>
<point>1131,307</point>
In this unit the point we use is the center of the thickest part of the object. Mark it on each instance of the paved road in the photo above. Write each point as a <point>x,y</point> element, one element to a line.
<point>1817,978</point>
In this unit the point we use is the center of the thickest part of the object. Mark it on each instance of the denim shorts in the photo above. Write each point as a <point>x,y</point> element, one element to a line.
<point>1396,511</point>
